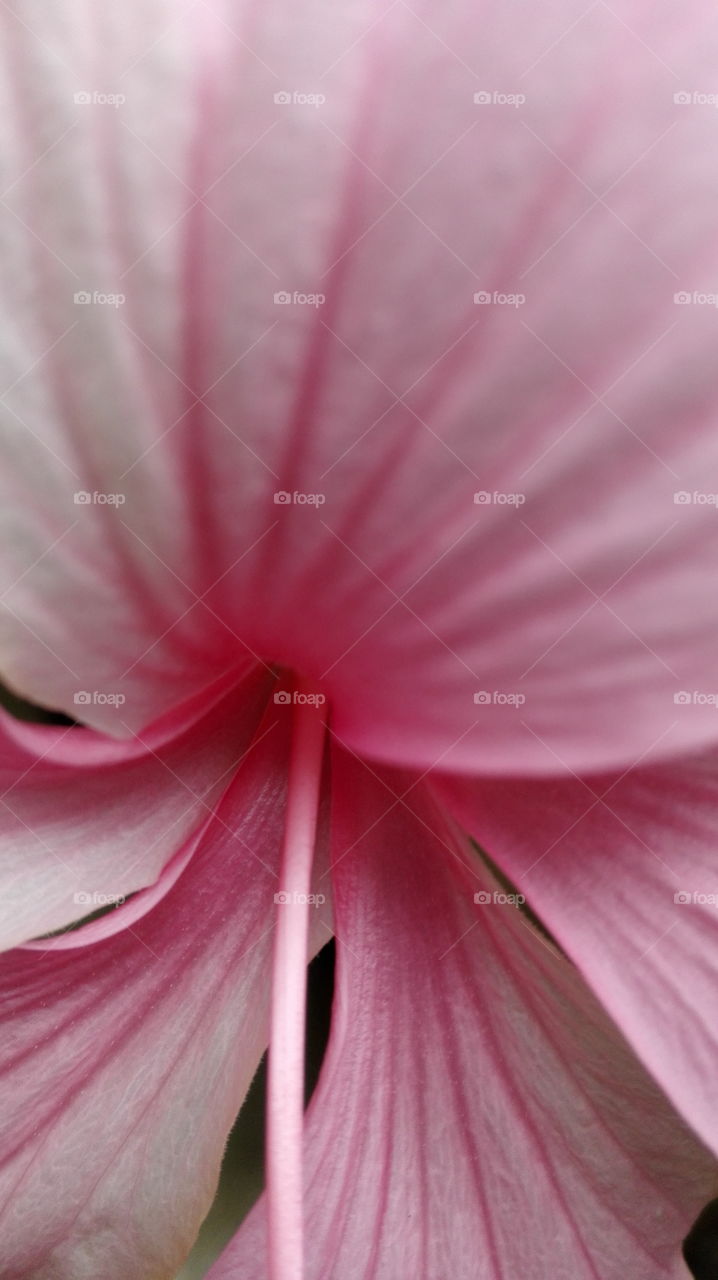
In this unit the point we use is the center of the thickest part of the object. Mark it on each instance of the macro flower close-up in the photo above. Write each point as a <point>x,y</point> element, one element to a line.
<point>358,568</point>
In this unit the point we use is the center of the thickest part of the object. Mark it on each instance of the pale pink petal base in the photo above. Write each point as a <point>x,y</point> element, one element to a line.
<point>395,400</point>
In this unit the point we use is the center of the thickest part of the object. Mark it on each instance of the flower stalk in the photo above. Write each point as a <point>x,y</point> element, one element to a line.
<point>285,1100</point>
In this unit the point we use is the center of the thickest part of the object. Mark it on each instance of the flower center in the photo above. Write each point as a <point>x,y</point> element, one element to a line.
<point>285,1088</point>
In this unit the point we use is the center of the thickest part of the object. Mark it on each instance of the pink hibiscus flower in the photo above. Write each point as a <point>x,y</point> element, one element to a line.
<point>361,352</point>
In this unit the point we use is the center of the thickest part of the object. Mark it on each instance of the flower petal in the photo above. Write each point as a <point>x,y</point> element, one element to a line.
<point>622,870</point>
<point>477,1113</point>
<point>123,1062</point>
<point>84,819</point>
<point>295,150</point>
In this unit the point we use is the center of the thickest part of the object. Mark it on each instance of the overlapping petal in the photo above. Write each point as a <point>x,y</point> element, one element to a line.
<point>623,871</point>
<point>338,151</point>
<point>477,1113</point>
<point>123,1062</point>
<point>85,819</point>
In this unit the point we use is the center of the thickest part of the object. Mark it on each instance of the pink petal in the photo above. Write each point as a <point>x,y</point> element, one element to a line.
<point>477,1114</point>
<point>622,869</point>
<point>398,197</point>
<point>84,819</point>
<point>123,1063</point>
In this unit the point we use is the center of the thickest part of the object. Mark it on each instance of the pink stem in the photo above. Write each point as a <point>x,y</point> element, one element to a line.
<point>285,1090</point>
